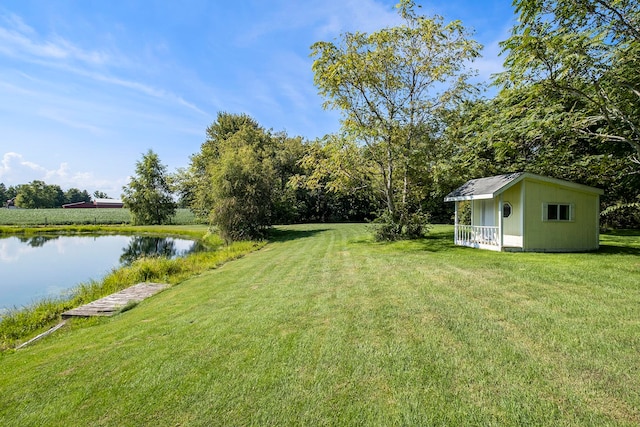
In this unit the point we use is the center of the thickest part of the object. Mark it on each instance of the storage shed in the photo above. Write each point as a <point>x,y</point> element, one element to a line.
<point>526,212</point>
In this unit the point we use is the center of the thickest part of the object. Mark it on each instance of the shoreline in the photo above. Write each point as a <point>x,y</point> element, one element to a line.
<point>19,325</point>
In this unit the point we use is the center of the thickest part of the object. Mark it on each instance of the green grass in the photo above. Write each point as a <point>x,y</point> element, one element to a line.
<point>26,217</point>
<point>325,327</point>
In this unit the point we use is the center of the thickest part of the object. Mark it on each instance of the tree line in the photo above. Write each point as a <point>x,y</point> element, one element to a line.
<point>40,195</point>
<point>414,127</point>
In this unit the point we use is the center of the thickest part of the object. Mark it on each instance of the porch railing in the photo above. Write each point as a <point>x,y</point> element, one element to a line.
<point>475,235</point>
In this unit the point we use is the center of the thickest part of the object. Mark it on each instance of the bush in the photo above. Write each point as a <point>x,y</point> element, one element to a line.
<point>621,216</point>
<point>404,227</point>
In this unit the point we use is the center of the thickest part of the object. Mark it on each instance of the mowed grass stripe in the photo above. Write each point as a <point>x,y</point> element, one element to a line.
<point>325,327</point>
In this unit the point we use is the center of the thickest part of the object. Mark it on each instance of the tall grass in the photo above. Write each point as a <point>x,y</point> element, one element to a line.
<point>18,324</point>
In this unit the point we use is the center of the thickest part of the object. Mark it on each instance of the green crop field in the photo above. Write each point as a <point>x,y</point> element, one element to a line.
<point>24,217</point>
<point>323,326</point>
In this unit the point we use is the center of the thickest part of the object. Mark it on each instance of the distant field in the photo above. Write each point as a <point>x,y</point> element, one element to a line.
<point>79,216</point>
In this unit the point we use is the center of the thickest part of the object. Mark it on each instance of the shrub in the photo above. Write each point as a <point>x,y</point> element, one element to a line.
<point>388,227</point>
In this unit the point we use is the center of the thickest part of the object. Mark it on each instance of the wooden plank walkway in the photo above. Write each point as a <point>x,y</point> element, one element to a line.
<point>110,304</point>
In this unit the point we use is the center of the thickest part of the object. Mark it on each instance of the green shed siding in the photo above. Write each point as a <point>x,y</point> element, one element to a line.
<point>580,233</point>
<point>513,224</point>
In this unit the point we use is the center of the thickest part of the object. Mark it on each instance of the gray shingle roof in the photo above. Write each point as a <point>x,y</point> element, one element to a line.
<point>488,188</point>
<point>482,188</point>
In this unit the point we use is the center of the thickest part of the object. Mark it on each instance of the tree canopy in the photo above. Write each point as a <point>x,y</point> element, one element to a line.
<point>393,87</point>
<point>148,194</point>
<point>39,195</point>
<point>100,194</point>
<point>246,178</point>
<point>413,128</point>
<point>74,195</point>
<point>3,194</point>
<point>588,51</point>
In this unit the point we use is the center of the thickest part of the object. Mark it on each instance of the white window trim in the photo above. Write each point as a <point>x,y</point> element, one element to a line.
<point>545,212</point>
<point>510,209</point>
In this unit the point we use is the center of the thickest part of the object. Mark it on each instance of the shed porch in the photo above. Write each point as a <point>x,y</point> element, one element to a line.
<point>476,226</point>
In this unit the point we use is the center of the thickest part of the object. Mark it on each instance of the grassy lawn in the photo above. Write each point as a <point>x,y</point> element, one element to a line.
<point>324,327</point>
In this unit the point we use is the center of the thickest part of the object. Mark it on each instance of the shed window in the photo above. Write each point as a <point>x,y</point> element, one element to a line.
<point>558,212</point>
<point>506,210</point>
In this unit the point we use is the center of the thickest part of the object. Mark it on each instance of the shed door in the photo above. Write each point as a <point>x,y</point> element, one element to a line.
<point>488,214</point>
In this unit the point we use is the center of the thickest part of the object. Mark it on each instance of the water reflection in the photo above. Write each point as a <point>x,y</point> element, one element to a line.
<point>144,246</point>
<point>37,241</point>
<point>36,267</point>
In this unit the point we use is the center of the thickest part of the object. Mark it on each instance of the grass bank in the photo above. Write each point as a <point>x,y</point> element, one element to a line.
<point>20,324</point>
<point>197,231</point>
<point>325,327</point>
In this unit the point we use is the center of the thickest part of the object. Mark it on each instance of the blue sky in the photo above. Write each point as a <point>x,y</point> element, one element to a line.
<point>88,86</point>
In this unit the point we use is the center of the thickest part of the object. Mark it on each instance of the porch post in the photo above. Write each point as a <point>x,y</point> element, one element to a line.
<point>455,224</point>
<point>500,221</point>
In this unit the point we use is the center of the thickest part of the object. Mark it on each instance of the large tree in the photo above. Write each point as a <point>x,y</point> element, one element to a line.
<point>74,195</point>
<point>338,184</point>
<point>392,87</point>
<point>588,50</point>
<point>195,185</point>
<point>514,132</point>
<point>246,178</point>
<point>39,195</point>
<point>242,186</point>
<point>3,194</point>
<point>233,177</point>
<point>148,195</point>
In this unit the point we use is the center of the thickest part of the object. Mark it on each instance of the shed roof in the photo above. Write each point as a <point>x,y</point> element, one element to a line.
<point>490,187</point>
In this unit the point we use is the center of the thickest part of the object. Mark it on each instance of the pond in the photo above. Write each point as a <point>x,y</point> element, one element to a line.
<point>37,267</point>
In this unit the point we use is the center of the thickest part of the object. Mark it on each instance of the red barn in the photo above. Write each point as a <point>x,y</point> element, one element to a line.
<point>108,203</point>
<point>97,203</point>
<point>79,205</point>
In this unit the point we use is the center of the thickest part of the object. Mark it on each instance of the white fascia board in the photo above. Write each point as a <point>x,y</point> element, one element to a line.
<point>473,197</point>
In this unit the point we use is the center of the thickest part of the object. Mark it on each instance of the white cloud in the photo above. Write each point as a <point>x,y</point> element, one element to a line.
<point>11,252</point>
<point>14,165</point>
<point>14,170</point>
<point>62,172</point>
<point>354,15</point>
<point>6,161</point>
<point>142,88</point>
<point>325,18</point>
<point>60,117</point>
<point>19,40</point>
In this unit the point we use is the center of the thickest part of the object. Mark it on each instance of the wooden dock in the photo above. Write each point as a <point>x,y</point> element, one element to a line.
<point>111,304</point>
